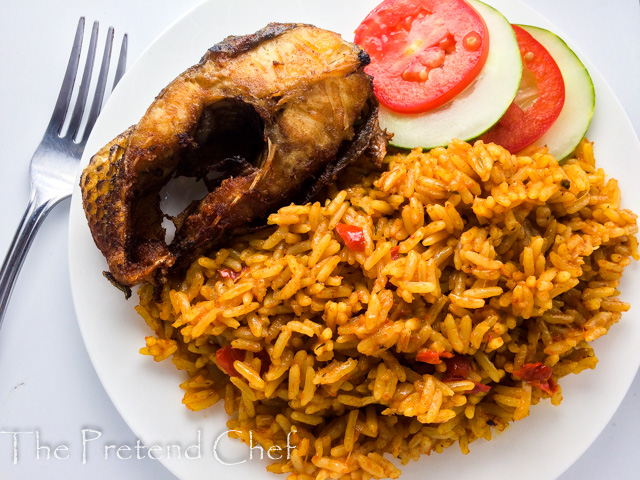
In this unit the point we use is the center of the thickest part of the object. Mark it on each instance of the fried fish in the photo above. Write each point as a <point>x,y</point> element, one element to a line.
<point>265,119</point>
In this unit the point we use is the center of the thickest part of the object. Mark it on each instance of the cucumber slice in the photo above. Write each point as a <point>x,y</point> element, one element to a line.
<point>579,97</point>
<point>478,107</point>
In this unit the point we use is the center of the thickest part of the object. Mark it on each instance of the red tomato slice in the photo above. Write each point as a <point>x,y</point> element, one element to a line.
<point>423,52</point>
<point>538,102</point>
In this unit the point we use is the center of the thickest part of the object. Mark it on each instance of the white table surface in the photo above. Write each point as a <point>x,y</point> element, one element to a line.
<point>47,382</point>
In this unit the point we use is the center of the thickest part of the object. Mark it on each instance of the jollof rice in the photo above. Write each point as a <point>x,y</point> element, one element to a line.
<point>482,278</point>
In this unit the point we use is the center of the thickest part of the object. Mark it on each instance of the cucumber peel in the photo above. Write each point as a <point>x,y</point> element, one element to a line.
<point>573,122</point>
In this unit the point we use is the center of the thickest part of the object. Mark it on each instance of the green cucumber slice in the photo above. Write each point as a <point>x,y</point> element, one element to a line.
<point>478,107</point>
<point>579,98</point>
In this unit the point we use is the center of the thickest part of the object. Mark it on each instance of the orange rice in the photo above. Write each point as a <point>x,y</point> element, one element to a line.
<point>482,279</point>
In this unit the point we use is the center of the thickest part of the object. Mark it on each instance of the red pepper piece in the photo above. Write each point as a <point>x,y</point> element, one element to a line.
<point>225,357</point>
<point>352,235</point>
<point>548,386</point>
<point>429,356</point>
<point>534,372</point>
<point>232,274</point>
<point>458,367</point>
<point>479,388</point>
<point>538,375</point>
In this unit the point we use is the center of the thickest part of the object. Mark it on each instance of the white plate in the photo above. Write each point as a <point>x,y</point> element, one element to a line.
<point>147,394</point>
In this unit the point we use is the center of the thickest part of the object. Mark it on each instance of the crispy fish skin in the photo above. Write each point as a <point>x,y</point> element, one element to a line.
<point>296,103</point>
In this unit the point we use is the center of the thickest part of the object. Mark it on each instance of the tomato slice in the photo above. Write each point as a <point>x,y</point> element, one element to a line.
<point>538,102</point>
<point>423,52</point>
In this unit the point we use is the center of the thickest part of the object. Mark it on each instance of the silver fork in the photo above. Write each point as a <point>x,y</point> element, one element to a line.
<point>55,163</point>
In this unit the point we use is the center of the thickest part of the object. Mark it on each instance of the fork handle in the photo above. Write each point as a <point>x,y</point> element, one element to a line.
<point>36,211</point>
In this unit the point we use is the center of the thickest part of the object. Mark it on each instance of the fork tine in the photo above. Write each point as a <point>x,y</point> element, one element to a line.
<point>78,110</point>
<point>122,61</point>
<point>96,105</point>
<point>54,164</point>
<point>66,90</point>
